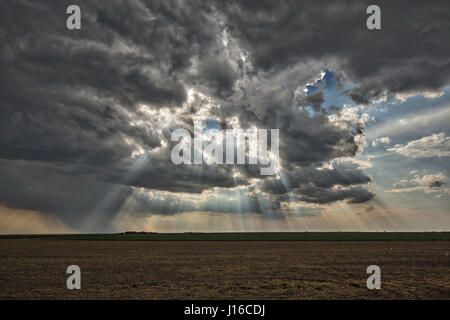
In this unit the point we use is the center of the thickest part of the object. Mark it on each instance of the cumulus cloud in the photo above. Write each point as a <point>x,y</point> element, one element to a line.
<point>382,140</point>
<point>427,183</point>
<point>435,145</point>
<point>431,180</point>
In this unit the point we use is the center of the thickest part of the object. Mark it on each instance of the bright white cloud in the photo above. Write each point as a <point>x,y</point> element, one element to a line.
<point>436,145</point>
<point>429,183</point>
<point>429,179</point>
<point>383,140</point>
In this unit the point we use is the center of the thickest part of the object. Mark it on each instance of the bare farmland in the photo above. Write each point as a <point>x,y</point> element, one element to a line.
<point>35,269</point>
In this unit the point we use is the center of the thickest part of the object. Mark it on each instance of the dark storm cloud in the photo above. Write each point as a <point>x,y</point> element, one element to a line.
<point>409,53</point>
<point>52,188</point>
<point>314,100</point>
<point>235,201</point>
<point>70,98</point>
<point>324,195</point>
<point>218,73</point>
<point>71,117</point>
<point>343,174</point>
<point>308,140</point>
<point>313,185</point>
<point>162,174</point>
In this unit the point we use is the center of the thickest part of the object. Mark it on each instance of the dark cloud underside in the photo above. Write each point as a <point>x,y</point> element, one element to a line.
<point>76,107</point>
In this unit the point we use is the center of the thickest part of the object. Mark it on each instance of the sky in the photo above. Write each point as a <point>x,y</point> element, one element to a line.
<point>86,116</point>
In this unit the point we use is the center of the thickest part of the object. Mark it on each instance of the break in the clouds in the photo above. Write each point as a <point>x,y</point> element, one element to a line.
<point>86,115</point>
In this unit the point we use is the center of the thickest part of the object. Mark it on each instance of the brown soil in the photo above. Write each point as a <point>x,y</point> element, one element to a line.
<point>36,269</point>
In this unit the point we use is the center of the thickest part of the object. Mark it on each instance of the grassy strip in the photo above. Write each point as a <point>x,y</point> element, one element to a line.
<point>248,236</point>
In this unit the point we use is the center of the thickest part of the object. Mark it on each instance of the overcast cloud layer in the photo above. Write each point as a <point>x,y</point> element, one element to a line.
<point>86,115</point>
